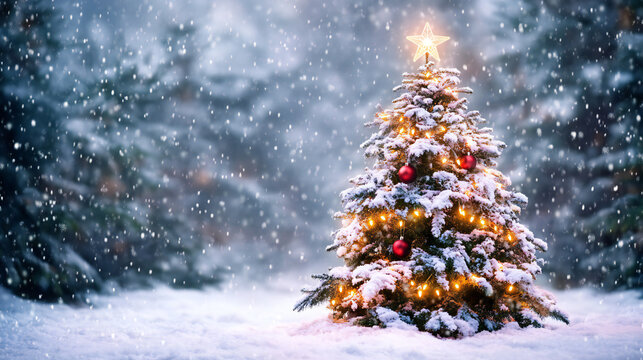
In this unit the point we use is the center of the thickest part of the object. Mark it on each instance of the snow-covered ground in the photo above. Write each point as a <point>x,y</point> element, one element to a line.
<point>258,323</point>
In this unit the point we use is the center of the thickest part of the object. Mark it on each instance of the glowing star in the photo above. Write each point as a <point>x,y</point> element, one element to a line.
<point>427,43</point>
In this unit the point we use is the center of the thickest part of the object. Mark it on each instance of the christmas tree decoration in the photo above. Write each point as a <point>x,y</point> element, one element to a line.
<point>407,174</point>
<point>467,162</point>
<point>473,264</point>
<point>401,248</point>
<point>427,43</point>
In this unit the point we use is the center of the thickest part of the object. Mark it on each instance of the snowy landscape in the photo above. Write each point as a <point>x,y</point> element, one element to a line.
<point>247,322</point>
<point>461,179</point>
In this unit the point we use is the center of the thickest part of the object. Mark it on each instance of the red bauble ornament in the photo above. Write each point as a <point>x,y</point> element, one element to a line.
<point>468,162</point>
<point>407,174</point>
<point>401,248</point>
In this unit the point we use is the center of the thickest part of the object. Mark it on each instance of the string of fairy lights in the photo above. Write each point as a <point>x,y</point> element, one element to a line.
<point>422,289</point>
<point>409,128</point>
<point>418,289</point>
<point>390,216</point>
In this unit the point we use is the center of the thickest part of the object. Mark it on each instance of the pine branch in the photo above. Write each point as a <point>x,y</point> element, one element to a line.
<point>322,293</point>
<point>332,247</point>
<point>559,315</point>
<point>464,90</point>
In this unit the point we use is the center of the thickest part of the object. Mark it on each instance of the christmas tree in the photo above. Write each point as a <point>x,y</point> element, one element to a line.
<point>430,233</point>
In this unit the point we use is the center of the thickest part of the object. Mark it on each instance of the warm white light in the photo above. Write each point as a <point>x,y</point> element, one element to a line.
<point>427,43</point>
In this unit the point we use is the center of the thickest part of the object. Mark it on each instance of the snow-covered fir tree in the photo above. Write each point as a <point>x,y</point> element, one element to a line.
<point>118,197</point>
<point>430,232</point>
<point>35,259</point>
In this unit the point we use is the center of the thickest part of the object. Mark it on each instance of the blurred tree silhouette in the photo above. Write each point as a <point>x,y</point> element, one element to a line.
<point>33,259</point>
<point>571,90</point>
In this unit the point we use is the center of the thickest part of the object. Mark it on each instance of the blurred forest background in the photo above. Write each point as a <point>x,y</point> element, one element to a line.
<point>186,141</point>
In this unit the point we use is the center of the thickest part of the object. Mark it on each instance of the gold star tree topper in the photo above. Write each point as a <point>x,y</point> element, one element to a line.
<point>427,43</point>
